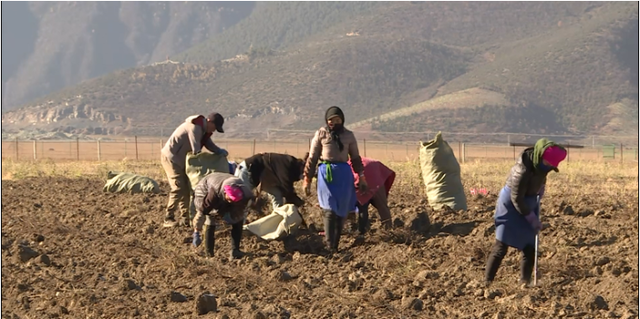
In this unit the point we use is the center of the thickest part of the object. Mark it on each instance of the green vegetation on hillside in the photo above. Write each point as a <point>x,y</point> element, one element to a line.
<point>276,25</point>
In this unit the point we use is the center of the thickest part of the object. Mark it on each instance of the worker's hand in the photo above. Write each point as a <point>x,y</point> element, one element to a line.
<point>533,219</point>
<point>223,152</point>
<point>197,240</point>
<point>307,186</point>
<point>362,185</point>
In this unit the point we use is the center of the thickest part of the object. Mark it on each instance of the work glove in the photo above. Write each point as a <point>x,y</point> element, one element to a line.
<point>223,152</point>
<point>534,221</point>
<point>197,240</point>
<point>307,186</point>
<point>362,185</point>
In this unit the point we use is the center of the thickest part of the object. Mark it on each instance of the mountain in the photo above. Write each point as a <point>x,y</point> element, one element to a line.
<point>532,67</point>
<point>51,45</point>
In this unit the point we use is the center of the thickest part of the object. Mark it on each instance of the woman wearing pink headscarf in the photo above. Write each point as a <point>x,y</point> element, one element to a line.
<point>227,196</point>
<point>379,178</point>
<point>518,209</point>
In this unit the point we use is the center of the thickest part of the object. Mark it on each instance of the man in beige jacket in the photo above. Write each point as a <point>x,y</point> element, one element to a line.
<point>190,136</point>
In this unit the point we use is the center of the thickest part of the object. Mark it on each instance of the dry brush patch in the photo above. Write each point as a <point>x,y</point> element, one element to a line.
<point>70,250</point>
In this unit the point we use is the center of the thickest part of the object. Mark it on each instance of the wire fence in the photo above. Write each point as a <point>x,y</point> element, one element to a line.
<point>149,149</point>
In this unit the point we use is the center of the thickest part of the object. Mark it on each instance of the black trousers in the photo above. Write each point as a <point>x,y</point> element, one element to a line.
<point>498,252</point>
<point>209,237</point>
<point>332,229</point>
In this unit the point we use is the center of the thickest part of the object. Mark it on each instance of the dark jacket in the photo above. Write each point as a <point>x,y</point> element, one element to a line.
<point>524,180</point>
<point>276,170</point>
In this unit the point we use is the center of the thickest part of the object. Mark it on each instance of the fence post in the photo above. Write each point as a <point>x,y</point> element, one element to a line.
<point>621,151</point>
<point>460,150</point>
<point>364,143</point>
<point>514,152</point>
<point>253,147</point>
<point>17,153</point>
<point>70,149</point>
<point>464,152</point>
<point>99,152</point>
<point>136,140</point>
<point>568,148</point>
<point>35,149</point>
<point>77,148</point>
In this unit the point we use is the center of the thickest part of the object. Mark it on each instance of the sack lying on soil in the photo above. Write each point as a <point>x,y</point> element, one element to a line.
<point>284,221</point>
<point>441,175</point>
<point>120,182</point>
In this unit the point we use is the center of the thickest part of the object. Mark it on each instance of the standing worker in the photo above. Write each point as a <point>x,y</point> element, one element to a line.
<point>190,136</point>
<point>227,196</point>
<point>275,174</point>
<point>333,145</point>
<point>380,178</point>
<point>517,215</point>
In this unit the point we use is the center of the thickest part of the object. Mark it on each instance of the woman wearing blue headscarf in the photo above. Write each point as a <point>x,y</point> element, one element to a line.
<point>334,145</point>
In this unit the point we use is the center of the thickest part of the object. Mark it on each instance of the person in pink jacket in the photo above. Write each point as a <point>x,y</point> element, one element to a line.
<point>379,178</point>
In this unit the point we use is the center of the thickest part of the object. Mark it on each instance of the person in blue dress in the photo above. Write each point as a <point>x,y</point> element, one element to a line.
<point>517,215</point>
<point>333,145</point>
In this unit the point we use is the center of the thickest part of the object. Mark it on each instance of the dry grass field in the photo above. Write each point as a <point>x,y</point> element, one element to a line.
<point>71,251</point>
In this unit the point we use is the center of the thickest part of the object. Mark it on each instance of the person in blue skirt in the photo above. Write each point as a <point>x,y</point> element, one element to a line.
<point>333,145</point>
<point>517,215</point>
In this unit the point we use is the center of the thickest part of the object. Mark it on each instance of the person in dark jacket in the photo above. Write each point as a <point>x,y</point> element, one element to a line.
<point>227,197</point>
<point>275,174</point>
<point>517,215</point>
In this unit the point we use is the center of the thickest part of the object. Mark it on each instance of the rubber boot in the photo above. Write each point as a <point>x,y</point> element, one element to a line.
<point>363,218</point>
<point>236,236</point>
<point>209,237</point>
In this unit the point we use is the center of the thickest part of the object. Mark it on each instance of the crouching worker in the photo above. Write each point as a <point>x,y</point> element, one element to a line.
<point>379,178</point>
<point>275,174</point>
<point>333,145</point>
<point>226,196</point>
<point>517,215</point>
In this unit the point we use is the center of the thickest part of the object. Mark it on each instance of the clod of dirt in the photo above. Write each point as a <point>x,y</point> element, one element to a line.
<point>585,213</point>
<point>206,303</point>
<point>45,260</point>
<point>599,303</point>
<point>398,223</point>
<point>23,287</point>
<point>499,315</point>
<point>64,310</point>
<point>39,238</point>
<point>412,303</point>
<point>277,259</point>
<point>427,274</point>
<point>37,205</point>
<point>603,261</point>
<point>149,230</point>
<point>177,297</point>
<point>259,315</point>
<point>479,293</point>
<point>129,285</point>
<point>420,223</point>
<point>492,294</point>
<point>282,275</point>
<point>223,316</point>
<point>568,210</point>
<point>25,253</point>
<point>382,295</point>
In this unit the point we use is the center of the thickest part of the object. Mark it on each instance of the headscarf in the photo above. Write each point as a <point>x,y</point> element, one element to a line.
<point>550,151</point>
<point>234,193</point>
<point>335,133</point>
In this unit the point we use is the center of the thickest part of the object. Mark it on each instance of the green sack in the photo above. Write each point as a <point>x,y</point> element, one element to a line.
<point>200,165</point>
<point>441,174</point>
<point>129,183</point>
